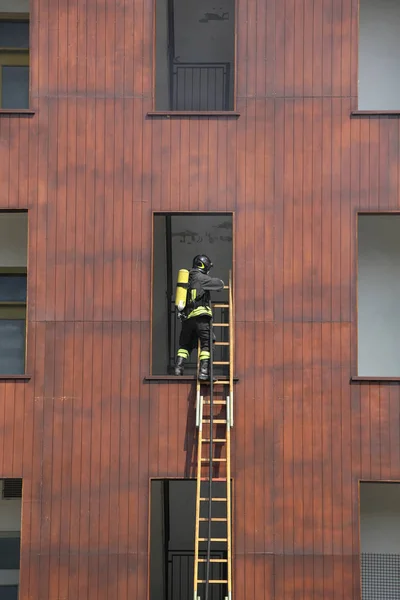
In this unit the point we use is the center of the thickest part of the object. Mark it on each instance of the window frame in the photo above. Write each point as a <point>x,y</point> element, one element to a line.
<point>188,113</point>
<point>360,482</point>
<point>16,57</point>
<point>355,111</point>
<point>14,534</point>
<point>20,270</point>
<point>199,213</point>
<point>15,310</point>
<point>354,325</point>
<point>149,522</point>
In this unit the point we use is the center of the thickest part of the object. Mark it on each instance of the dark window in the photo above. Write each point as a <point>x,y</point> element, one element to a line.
<point>12,330</point>
<point>172,537</point>
<point>14,63</point>
<point>14,34</point>
<point>13,292</point>
<point>12,288</point>
<point>195,52</point>
<point>10,537</point>
<point>178,237</point>
<point>9,592</point>
<point>9,553</point>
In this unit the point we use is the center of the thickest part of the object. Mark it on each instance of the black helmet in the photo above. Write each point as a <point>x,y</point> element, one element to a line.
<point>202,262</point>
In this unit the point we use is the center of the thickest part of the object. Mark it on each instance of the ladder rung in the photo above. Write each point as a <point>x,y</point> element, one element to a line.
<point>219,519</point>
<point>219,305</point>
<point>207,440</point>
<point>226,287</point>
<point>214,560</point>
<point>207,421</point>
<point>221,343</point>
<point>220,324</point>
<point>216,402</point>
<point>221,362</point>
<point>212,581</point>
<point>213,499</point>
<point>213,479</point>
<point>213,539</point>
<point>213,460</point>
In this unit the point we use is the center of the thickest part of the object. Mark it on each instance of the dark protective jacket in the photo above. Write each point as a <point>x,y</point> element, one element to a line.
<point>198,298</point>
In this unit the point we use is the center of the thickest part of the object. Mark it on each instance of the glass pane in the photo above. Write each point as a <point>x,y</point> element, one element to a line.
<point>14,34</point>
<point>12,347</point>
<point>15,87</point>
<point>12,288</point>
<point>9,553</point>
<point>8,592</point>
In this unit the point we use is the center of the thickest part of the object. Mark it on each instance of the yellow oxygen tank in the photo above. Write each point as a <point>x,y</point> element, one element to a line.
<point>181,289</point>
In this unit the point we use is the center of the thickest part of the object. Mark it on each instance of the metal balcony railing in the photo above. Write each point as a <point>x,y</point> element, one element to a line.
<point>180,575</point>
<point>200,86</point>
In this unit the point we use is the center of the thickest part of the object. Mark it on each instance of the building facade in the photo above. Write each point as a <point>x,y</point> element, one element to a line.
<point>294,141</point>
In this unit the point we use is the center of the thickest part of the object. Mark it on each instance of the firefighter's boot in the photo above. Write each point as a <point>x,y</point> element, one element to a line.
<point>204,370</point>
<point>179,365</point>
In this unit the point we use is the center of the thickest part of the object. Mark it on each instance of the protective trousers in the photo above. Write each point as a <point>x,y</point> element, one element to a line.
<point>193,329</point>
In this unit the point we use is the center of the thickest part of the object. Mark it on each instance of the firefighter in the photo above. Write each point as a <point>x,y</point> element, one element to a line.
<point>196,316</point>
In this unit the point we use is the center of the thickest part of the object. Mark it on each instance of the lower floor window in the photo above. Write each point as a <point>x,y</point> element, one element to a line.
<point>13,291</point>
<point>380,540</point>
<point>172,539</point>
<point>10,537</point>
<point>12,322</point>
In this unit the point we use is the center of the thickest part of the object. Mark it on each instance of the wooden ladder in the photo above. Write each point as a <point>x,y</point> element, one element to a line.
<point>213,492</point>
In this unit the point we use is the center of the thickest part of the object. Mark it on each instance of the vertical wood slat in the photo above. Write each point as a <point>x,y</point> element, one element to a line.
<point>86,432</point>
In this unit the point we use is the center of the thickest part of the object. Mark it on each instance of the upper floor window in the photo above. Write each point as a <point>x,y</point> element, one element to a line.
<point>177,239</point>
<point>379,55</point>
<point>14,54</point>
<point>378,295</point>
<point>13,263</point>
<point>195,55</point>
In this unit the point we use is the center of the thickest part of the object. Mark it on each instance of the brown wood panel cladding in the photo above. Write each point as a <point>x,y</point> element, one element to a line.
<point>86,432</point>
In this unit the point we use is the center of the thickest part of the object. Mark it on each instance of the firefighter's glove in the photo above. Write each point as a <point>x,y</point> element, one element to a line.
<point>181,316</point>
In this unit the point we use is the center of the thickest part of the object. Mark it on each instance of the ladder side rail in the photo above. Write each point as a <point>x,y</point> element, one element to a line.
<point>211,374</point>
<point>231,345</point>
<point>198,400</point>
<point>198,495</point>
<point>199,423</point>
<point>228,437</point>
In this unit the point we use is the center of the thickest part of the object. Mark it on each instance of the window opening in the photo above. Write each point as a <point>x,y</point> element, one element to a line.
<point>13,291</point>
<point>195,52</point>
<point>379,55</point>
<point>380,540</point>
<point>378,293</point>
<point>14,54</point>
<point>172,535</point>
<point>177,239</point>
<point>10,540</point>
